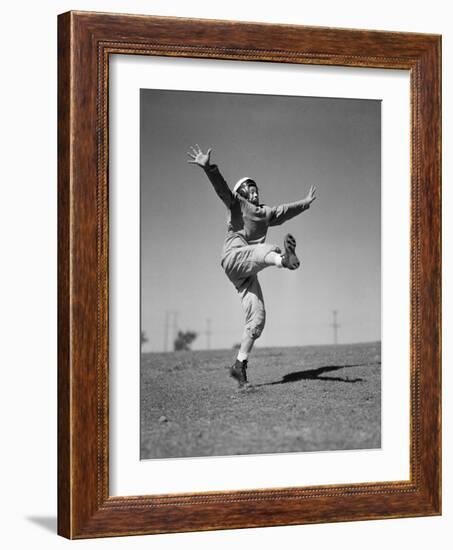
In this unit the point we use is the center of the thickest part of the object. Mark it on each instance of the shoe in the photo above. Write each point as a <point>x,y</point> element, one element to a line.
<point>289,258</point>
<point>239,372</point>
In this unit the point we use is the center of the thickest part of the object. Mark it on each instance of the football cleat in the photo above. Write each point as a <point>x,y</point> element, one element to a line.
<point>289,258</point>
<point>239,372</point>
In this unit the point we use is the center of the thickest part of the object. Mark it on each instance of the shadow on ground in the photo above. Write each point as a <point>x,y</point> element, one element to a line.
<point>316,374</point>
<point>49,523</point>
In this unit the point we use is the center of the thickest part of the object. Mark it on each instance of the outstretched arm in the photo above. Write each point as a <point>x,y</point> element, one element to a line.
<point>285,212</point>
<point>215,177</point>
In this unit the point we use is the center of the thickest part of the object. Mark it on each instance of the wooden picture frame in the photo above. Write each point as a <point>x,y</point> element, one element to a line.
<point>85,42</point>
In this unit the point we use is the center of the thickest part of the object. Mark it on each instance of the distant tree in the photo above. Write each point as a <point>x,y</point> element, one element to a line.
<point>237,345</point>
<point>184,340</point>
<point>143,338</point>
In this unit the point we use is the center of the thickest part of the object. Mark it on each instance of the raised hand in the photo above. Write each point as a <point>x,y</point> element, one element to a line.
<point>311,195</point>
<point>198,157</point>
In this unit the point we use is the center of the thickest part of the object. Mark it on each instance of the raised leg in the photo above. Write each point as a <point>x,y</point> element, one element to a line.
<point>243,262</point>
<point>273,258</point>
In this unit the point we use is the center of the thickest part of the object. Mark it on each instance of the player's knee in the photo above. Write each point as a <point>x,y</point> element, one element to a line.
<point>256,325</point>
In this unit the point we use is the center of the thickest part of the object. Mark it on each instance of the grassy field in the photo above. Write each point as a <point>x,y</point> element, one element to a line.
<point>303,399</point>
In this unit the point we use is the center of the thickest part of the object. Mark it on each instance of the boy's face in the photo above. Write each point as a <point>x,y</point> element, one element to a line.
<point>253,194</point>
<point>249,191</point>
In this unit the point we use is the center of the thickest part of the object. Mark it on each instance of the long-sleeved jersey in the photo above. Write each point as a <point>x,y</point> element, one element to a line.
<point>246,219</point>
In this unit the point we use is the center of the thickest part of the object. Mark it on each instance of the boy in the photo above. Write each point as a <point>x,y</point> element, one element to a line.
<point>245,252</point>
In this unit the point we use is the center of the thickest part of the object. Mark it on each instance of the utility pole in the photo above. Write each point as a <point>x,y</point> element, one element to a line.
<point>169,315</point>
<point>166,331</point>
<point>335,327</point>
<point>167,320</point>
<point>175,327</point>
<point>208,333</point>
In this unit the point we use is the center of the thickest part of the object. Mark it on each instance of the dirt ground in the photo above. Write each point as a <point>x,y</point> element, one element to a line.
<point>303,399</point>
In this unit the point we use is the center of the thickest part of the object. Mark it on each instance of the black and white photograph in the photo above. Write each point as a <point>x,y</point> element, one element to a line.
<point>260,274</point>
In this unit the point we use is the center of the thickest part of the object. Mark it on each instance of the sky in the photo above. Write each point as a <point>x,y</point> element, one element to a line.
<point>285,144</point>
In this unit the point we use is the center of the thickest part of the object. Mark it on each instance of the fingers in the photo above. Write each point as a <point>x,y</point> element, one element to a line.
<point>192,156</point>
<point>196,150</point>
